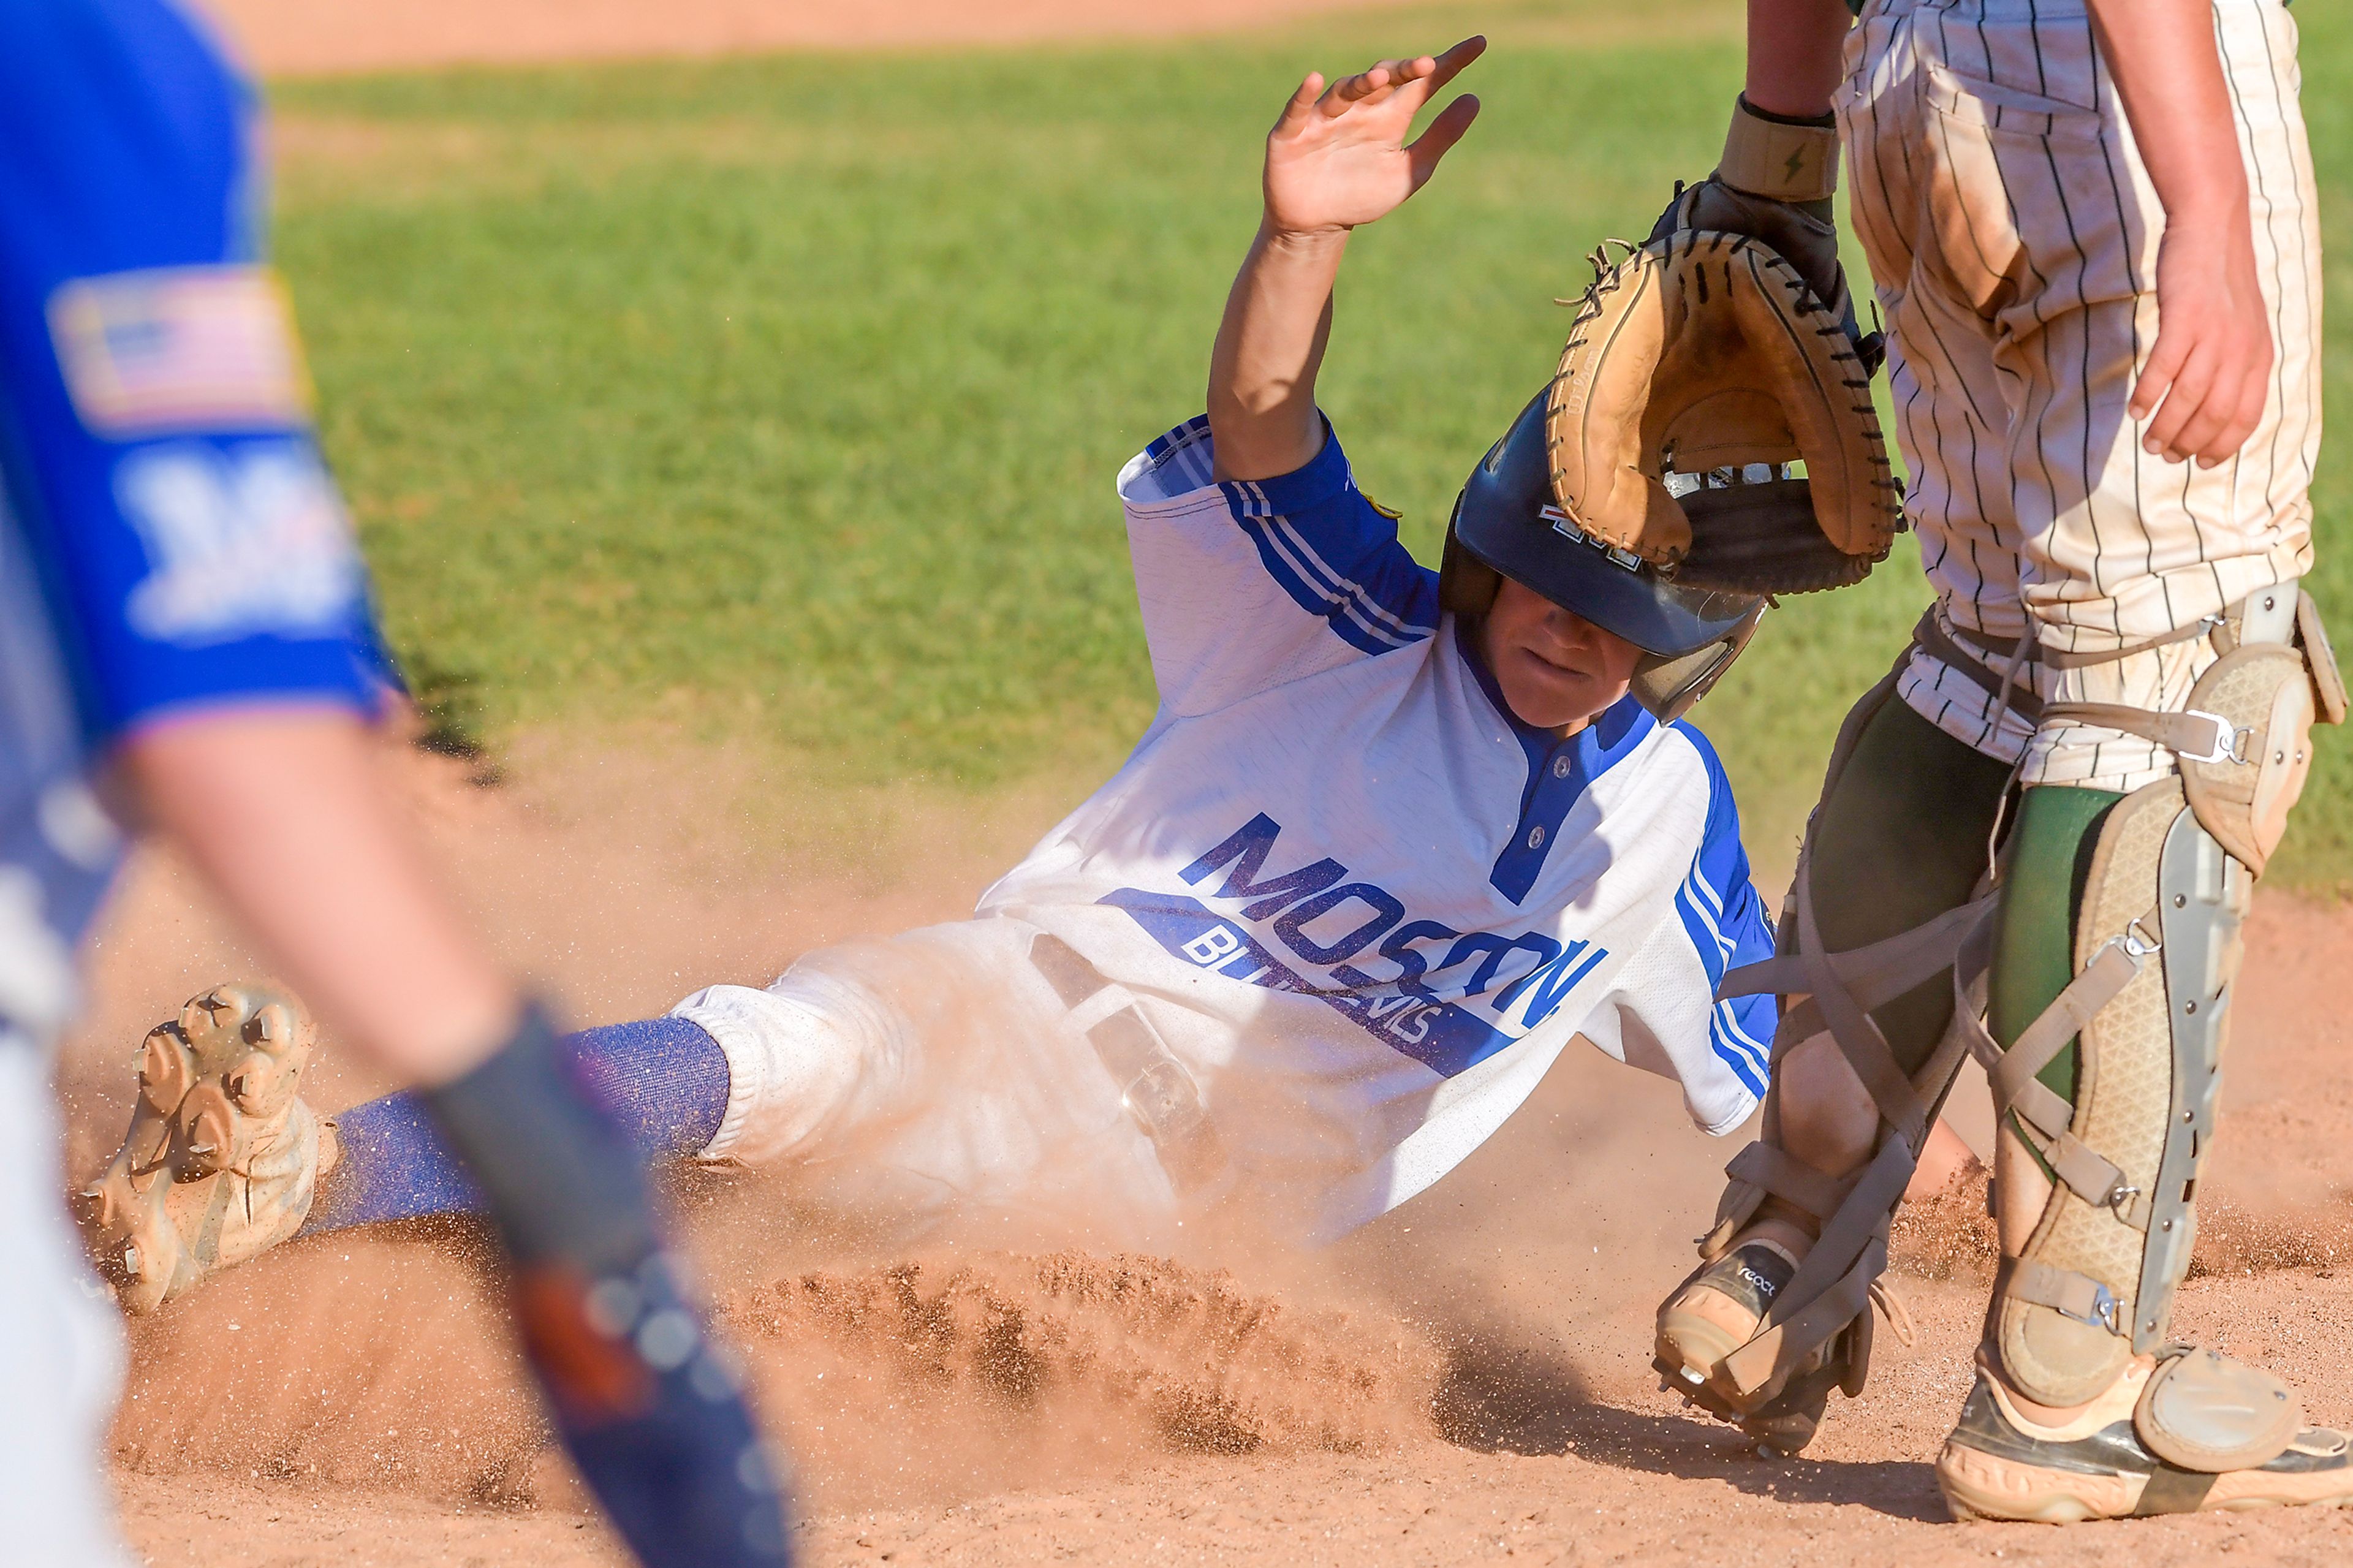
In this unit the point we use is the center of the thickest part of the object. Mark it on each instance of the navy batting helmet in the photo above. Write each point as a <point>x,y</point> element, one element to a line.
<point>1505,522</point>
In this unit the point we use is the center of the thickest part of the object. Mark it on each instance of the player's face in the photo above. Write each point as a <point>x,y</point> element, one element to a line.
<point>1557,670</point>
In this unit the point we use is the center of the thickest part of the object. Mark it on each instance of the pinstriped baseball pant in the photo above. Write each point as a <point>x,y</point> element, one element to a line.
<point>2013,232</point>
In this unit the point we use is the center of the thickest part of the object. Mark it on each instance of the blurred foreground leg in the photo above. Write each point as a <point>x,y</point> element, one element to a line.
<point>64,1361</point>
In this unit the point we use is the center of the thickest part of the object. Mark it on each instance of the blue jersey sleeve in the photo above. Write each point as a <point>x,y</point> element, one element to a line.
<point>1728,927</point>
<point>156,437</point>
<point>1246,583</point>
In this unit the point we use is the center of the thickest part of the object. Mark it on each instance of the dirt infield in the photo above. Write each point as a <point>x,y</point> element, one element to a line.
<point>288,37</point>
<point>1465,1380</point>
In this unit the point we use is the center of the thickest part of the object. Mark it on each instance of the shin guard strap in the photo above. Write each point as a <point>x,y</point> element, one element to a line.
<point>1765,1363</point>
<point>1832,1286</point>
<point>2070,1294</point>
<point>2110,971</point>
<point>2043,1117</point>
<point>1792,1180</point>
<point>1873,975</point>
<point>1859,1039</point>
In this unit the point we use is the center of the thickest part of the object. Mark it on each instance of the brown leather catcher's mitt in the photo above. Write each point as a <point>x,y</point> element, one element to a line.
<point>1698,368</point>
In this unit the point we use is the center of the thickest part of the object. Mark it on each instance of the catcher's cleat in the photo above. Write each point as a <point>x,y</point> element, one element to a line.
<point>1720,1308</point>
<point>2000,1463</point>
<point>222,1157</point>
<point>1717,1311</point>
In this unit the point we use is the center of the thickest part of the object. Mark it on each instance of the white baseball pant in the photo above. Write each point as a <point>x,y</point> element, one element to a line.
<point>2012,231</point>
<point>935,1071</point>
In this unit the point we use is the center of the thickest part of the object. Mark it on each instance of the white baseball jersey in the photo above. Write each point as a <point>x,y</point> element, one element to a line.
<point>1362,904</point>
<point>1337,867</point>
<point>2013,231</point>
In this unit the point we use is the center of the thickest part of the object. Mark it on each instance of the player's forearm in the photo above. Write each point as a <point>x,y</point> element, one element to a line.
<point>1793,54</point>
<point>1270,346</point>
<point>2161,55</point>
<point>283,810</point>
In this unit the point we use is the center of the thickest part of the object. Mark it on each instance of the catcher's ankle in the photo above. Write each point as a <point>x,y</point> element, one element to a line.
<point>1784,1225</point>
<point>2132,1374</point>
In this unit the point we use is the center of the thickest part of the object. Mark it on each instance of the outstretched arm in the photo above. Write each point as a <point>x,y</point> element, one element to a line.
<point>2209,375</point>
<point>1335,159</point>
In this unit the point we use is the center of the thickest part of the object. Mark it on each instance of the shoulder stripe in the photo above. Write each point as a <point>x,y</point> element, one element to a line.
<point>1186,450</point>
<point>1698,882</point>
<point>1345,604</point>
<point>1711,922</point>
<point>1411,630</point>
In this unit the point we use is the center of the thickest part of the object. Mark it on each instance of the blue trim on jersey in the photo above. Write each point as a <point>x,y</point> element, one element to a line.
<point>128,150</point>
<point>1560,770</point>
<point>1728,926</point>
<point>1187,449</point>
<point>1329,547</point>
<point>1441,1037</point>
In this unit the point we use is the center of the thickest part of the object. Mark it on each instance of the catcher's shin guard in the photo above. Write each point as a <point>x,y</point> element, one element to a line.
<point>2084,1307</point>
<point>1812,1327</point>
<point>1779,1311</point>
<point>2156,945</point>
<point>222,1157</point>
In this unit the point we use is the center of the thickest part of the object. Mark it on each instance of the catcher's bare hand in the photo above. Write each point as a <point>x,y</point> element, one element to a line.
<point>1338,157</point>
<point>2209,373</point>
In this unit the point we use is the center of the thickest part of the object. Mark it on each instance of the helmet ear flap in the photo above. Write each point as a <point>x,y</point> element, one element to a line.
<point>1466,584</point>
<point>1668,685</point>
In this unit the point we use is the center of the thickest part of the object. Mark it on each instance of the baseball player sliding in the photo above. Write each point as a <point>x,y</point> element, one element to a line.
<point>186,643</point>
<point>2093,232</point>
<point>1393,838</point>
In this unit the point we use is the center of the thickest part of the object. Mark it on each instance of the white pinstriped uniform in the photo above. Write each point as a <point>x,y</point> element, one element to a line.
<point>2013,233</point>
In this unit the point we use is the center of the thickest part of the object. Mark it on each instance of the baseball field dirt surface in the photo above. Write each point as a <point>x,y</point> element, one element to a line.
<point>1466,1381</point>
<point>694,369</point>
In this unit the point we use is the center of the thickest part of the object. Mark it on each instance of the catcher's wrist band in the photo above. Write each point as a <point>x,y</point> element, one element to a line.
<point>1769,155</point>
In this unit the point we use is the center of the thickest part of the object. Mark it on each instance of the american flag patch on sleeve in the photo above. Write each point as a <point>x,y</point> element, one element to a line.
<point>180,349</point>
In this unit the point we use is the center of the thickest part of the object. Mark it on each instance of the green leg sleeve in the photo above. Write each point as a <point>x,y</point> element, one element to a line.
<point>2045,865</point>
<point>1899,838</point>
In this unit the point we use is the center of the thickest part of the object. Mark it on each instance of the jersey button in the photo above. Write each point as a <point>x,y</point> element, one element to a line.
<point>1537,836</point>
<point>1560,767</point>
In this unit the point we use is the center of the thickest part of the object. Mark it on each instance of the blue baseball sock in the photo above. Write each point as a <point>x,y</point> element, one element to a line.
<point>664,1080</point>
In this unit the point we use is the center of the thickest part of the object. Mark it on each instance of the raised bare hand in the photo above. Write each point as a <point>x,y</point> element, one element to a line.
<point>1338,157</point>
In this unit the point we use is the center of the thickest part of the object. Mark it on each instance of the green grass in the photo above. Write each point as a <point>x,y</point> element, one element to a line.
<point>781,398</point>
